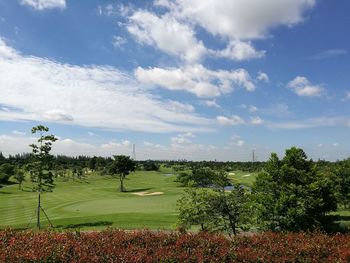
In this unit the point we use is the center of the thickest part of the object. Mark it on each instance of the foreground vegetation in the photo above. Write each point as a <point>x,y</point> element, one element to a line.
<point>145,246</point>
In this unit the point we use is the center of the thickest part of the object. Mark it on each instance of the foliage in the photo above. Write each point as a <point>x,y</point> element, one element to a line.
<point>343,183</point>
<point>215,210</point>
<point>122,166</point>
<point>204,177</point>
<point>6,171</point>
<point>291,194</point>
<point>150,165</point>
<point>19,176</point>
<point>146,246</point>
<point>41,165</point>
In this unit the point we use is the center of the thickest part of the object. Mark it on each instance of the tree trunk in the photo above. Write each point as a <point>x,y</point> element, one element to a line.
<point>121,183</point>
<point>38,212</point>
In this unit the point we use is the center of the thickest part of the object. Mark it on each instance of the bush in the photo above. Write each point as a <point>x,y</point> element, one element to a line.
<point>147,246</point>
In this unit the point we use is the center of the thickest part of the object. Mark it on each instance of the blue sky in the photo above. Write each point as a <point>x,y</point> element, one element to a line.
<point>180,79</point>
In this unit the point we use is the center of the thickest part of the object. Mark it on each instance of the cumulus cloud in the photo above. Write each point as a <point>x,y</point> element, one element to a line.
<point>256,120</point>
<point>249,108</point>
<point>167,34</point>
<point>196,79</point>
<point>183,138</point>
<point>118,41</point>
<point>113,144</point>
<point>232,120</point>
<point>180,107</point>
<point>236,23</point>
<point>262,76</point>
<point>12,144</point>
<point>240,19</point>
<point>236,140</point>
<point>39,89</point>
<point>239,50</point>
<point>44,4</point>
<point>211,103</point>
<point>302,87</point>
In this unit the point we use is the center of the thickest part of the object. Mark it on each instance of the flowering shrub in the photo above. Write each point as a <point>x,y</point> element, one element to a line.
<point>147,246</point>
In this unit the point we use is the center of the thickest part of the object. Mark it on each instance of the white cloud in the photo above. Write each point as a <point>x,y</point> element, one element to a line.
<point>38,89</point>
<point>113,144</point>
<point>262,76</point>
<point>330,53</point>
<point>240,19</point>
<point>6,51</point>
<point>238,50</point>
<point>256,120</point>
<point>183,138</point>
<point>278,110</point>
<point>196,79</point>
<point>232,120</point>
<point>235,22</point>
<point>118,41</point>
<point>302,87</point>
<point>335,144</point>
<point>249,108</point>
<point>180,107</point>
<point>237,141</point>
<point>310,123</point>
<point>167,34</point>
<point>211,103</point>
<point>15,132</point>
<point>45,4</point>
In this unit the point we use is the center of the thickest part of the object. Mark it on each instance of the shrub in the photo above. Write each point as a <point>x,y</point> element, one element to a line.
<point>147,246</point>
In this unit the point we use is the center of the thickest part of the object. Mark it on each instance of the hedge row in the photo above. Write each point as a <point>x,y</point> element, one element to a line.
<point>147,246</point>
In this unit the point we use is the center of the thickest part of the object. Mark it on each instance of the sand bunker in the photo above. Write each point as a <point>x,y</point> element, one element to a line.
<point>148,194</point>
<point>247,175</point>
<point>231,174</point>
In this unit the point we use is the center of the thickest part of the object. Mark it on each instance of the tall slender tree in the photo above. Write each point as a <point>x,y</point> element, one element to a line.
<point>121,166</point>
<point>41,164</point>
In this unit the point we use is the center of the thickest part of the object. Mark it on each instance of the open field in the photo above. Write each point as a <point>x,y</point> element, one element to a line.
<point>97,203</point>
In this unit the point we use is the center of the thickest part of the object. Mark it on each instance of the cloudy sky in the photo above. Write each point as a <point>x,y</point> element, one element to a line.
<point>180,79</point>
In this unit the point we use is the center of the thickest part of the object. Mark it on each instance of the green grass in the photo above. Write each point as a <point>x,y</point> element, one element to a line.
<point>245,178</point>
<point>96,203</point>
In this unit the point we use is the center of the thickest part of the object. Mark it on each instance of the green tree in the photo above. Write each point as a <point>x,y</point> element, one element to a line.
<point>204,177</point>
<point>6,171</point>
<point>41,164</point>
<point>235,209</point>
<point>291,194</point>
<point>19,176</point>
<point>343,183</point>
<point>195,208</point>
<point>215,209</point>
<point>122,166</point>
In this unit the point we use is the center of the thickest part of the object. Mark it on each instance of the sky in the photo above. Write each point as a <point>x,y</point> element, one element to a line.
<point>179,79</point>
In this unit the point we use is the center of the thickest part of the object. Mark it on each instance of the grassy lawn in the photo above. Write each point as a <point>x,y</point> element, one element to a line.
<point>96,203</point>
<point>245,178</point>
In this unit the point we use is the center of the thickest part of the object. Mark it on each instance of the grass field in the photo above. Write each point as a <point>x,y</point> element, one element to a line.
<point>97,203</point>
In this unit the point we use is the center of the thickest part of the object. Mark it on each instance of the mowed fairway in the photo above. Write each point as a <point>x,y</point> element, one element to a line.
<point>97,203</point>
